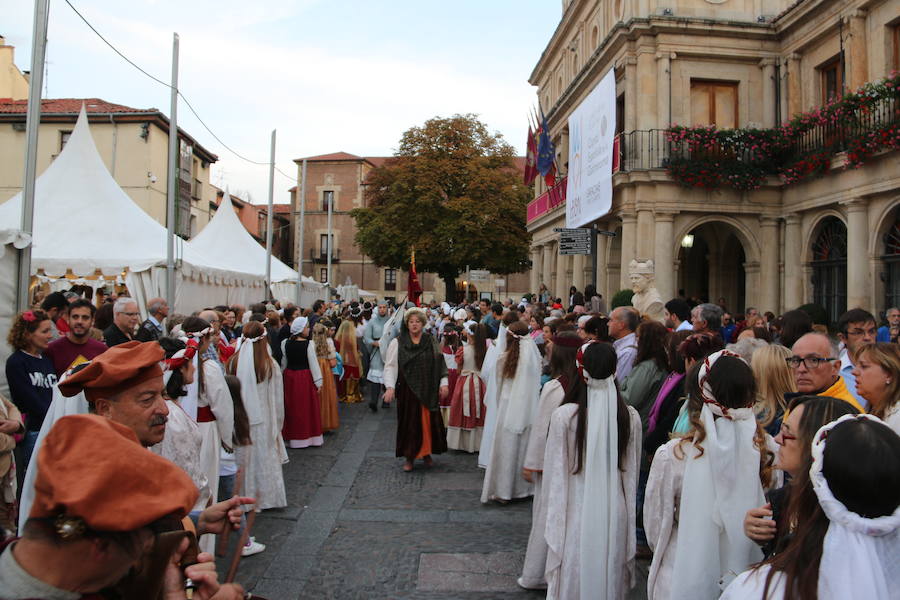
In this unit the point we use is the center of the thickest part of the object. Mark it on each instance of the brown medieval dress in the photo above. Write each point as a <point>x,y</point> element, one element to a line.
<point>420,369</point>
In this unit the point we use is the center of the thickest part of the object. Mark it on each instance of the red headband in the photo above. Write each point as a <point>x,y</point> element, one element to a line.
<point>182,357</point>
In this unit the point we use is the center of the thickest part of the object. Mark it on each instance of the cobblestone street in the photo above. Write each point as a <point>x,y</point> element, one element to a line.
<point>359,527</point>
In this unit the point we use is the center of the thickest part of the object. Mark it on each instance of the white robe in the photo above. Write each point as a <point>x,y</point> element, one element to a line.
<point>661,502</point>
<point>503,477</point>
<point>552,396</point>
<point>216,396</point>
<point>181,445</point>
<point>562,493</point>
<point>264,479</point>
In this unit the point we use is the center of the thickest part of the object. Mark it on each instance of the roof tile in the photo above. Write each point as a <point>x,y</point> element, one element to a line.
<point>70,106</point>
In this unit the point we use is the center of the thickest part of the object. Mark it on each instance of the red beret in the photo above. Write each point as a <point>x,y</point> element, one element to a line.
<point>95,469</point>
<point>119,368</point>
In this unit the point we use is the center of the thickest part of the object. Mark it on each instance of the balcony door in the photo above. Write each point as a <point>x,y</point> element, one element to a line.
<point>714,103</point>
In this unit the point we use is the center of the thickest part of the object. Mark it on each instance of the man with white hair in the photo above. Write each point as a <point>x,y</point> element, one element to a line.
<point>151,329</point>
<point>125,321</point>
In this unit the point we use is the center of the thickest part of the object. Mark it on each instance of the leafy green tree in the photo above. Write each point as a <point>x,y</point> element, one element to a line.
<point>453,193</point>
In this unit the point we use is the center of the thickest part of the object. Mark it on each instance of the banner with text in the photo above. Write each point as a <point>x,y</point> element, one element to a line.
<point>591,132</point>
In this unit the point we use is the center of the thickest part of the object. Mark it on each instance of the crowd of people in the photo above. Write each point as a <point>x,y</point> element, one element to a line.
<point>747,457</point>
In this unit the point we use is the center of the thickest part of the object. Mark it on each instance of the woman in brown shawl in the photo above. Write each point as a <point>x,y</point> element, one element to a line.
<point>416,373</point>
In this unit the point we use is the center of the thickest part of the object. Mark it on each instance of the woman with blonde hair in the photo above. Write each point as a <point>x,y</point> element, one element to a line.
<point>327,356</point>
<point>345,343</point>
<point>262,390</point>
<point>774,379</point>
<point>877,373</point>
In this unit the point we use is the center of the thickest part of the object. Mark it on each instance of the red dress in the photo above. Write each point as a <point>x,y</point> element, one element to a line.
<point>302,407</point>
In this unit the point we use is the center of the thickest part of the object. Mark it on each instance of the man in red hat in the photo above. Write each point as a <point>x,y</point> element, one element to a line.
<point>94,522</point>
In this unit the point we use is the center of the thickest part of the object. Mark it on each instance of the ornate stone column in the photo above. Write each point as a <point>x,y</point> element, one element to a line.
<point>629,228</point>
<point>631,100</point>
<point>767,65</point>
<point>601,276</point>
<point>644,235</point>
<point>663,89</point>
<point>858,69</point>
<point>578,262</point>
<point>547,269</point>
<point>768,276</point>
<point>857,254</point>
<point>534,281</point>
<point>794,91</point>
<point>561,289</point>
<point>793,263</point>
<point>663,256</point>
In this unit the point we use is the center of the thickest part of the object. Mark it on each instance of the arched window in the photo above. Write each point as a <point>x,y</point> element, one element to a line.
<point>829,264</point>
<point>891,260</point>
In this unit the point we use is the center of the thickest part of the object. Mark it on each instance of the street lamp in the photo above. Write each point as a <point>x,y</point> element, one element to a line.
<point>687,241</point>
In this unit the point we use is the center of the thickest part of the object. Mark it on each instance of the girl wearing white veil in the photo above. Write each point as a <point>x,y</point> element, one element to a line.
<point>590,484</point>
<point>262,390</point>
<point>701,486</point>
<point>489,376</point>
<point>846,542</point>
<point>518,378</point>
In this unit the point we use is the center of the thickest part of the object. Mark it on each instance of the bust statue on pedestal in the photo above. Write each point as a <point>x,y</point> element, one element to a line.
<point>646,297</point>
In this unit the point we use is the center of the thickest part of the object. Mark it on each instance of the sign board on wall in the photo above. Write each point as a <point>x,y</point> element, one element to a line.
<point>574,241</point>
<point>591,134</point>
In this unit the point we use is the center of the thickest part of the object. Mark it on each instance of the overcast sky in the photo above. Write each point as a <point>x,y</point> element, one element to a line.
<point>329,75</point>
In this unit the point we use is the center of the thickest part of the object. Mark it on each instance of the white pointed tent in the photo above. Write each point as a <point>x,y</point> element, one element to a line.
<point>85,226</point>
<point>227,241</point>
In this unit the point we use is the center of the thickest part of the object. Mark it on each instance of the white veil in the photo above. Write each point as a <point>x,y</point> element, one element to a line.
<point>488,374</point>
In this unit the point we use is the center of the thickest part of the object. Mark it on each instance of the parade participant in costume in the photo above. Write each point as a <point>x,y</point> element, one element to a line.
<point>214,407</point>
<point>29,374</point>
<point>563,349</point>
<point>415,372</point>
<point>846,541</point>
<point>518,389</point>
<point>466,412</point>
<point>877,375</point>
<point>372,334</point>
<point>768,525</point>
<point>327,357</point>
<point>451,350</point>
<point>183,440</point>
<point>345,343</point>
<point>701,486</point>
<point>302,382</point>
<point>490,377</point>
<point>93,521</point>
<point>262,391</point>
<point>591,465</point>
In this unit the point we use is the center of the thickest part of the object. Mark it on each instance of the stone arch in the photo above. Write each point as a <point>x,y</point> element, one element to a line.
<point>744,234</point>
<point>814,228</point>
<point>884,248</point>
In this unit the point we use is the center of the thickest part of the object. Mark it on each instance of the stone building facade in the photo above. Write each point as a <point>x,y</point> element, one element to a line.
<point>340,178</point>
<point>831,240</point>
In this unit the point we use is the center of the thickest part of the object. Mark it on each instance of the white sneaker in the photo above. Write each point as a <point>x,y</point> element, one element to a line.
<point>252,547</point>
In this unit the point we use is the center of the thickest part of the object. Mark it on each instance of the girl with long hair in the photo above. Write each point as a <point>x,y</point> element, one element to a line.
<point>774,378</point>
<point>208,402</point>
<point>669,398</point>
<point>263,400</point>
<point>415,372</point>
<point>701,485</point>
<point>640,386</point>
<point>303,379</point>
<point>451,345</point>
<point>563,348</point>
<point>768,525</point>
<point>518,373</point>
<point>466,422</point>
<point>590,487</point>
<point>846,515</point>
<point>327,357</point>
<point>345,343</point>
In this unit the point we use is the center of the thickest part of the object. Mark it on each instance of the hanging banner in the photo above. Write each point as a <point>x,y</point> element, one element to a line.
<point>591,133</point>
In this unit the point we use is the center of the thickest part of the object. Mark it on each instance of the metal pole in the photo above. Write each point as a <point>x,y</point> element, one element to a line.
<point>269,219</point>
<point>301,228</point>
<point>173,177</point>
<point>328,243</point>
<point>32,124</point>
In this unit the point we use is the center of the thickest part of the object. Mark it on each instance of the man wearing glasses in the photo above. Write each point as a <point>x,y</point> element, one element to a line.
<point>855,328</point>
<point>891,331</point>
<point>125,321</point>
<point>817,367</point>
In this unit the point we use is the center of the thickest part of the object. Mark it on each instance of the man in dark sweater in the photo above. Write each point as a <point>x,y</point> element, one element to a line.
<point>77,346</point>
<point>151,329</point>
<point>125,320</point>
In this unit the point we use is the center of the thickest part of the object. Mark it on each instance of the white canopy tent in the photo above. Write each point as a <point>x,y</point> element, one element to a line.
<point>11,241</point>
<point>85,226</point>
<point>226,241</point>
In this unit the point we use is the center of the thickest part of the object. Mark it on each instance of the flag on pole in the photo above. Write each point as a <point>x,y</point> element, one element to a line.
<point>546,154</point>
<point>531,171</point>
<point>413,289</point>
